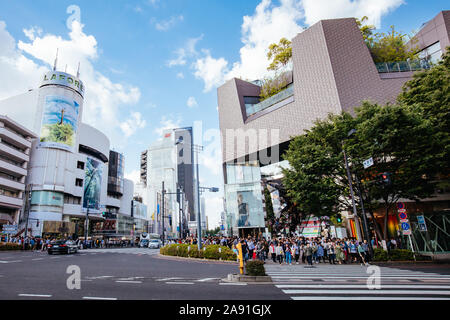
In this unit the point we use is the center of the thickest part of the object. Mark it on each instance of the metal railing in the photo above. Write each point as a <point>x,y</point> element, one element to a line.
<point>280,96</point>
<point>403,66</point>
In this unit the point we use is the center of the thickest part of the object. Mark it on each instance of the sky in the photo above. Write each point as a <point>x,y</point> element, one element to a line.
<point>149,65</point>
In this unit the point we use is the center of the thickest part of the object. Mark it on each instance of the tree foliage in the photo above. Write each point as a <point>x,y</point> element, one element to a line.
<point>430,92</point>
<point>280,54</point>
<point>386,47</point>
<point>397,137</point>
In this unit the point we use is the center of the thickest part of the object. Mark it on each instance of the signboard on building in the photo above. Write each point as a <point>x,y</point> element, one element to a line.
<point>63,79</point>
<point>92,184</point>
<point>9,228</point>
<point>59,123</point>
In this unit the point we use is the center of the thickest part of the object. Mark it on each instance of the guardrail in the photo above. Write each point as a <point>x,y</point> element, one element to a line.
<point>403,66</point>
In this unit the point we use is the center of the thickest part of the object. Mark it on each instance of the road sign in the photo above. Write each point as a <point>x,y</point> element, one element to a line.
<point>401,205</point>
<point>406,228</point>
<point>421,223</point>
<point>368,163</point>
<point>403,215</point>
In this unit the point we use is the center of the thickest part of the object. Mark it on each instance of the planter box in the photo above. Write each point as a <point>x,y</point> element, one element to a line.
<point>245,278</point>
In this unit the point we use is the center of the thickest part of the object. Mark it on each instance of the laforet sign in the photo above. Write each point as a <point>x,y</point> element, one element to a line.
<point>63,79</point>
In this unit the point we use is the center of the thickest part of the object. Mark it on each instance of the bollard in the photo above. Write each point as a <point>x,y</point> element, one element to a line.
<point>241,258</point>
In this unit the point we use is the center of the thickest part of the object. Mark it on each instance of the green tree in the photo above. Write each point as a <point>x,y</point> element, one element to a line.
<point>386,47</point>
<point>429,90</point>
<point>280,54</point>
<point>398,138</point>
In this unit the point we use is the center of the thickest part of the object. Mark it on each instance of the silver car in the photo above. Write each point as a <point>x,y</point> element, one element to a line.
<point>154,244</point>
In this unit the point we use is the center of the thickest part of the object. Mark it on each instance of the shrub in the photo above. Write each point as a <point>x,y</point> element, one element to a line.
<point>380,255</point>
<point>393,255</point>
<point>401,255</point>
<point>191,251</point>
<point>255,268</point>
<point>10,246</point>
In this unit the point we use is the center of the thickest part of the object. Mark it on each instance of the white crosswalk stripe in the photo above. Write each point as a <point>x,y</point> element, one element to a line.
<point>345,282</point>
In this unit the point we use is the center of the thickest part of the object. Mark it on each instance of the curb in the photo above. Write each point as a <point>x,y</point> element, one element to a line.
<point>246,278</point>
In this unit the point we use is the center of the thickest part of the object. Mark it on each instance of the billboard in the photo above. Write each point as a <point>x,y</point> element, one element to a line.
<point>92,184</point>
<point>59,123</point>
<point>249,213</point>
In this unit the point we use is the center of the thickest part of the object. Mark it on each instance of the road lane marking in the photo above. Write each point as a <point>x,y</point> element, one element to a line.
<point>350,292</point>
<point>166,279</point>
<point>98,298</point>
<point>128,281</point>
<point>37,259</point>
<point>179,282</point>
<point>233,284</point>
<point>357,286</point>
<point>10,261</point>
<point>35,295</point>
<point>207,279</point>
<point>367,298</point>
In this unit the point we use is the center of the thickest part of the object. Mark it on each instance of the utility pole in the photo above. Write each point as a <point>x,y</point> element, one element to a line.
<point>162,213</point>
<point>358,229</point>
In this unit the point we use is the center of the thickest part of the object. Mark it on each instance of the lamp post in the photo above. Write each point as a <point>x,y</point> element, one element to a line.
<point>365,224</point>
<point>358,230</point>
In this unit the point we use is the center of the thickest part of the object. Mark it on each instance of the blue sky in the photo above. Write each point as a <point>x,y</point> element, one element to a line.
<point>151,64</point>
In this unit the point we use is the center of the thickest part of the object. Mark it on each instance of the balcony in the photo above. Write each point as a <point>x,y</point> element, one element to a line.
<point>11,168</point>
<point>14,138</point>
<point>13,153</point>
<point>274,102</point>
<point>11,184</point>
<point>403,66</point>
<point>11,202</point>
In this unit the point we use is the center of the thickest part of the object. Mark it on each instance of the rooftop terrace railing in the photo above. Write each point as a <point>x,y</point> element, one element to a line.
<point>403,66</point>
<point>280,96</point>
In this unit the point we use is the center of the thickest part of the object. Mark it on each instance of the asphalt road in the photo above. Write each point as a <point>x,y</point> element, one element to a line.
<point>130,274</point>
<point>141,274</point>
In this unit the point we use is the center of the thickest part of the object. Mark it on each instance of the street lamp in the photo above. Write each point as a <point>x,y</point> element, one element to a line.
<point>366,229</point>
<point>358,231</point>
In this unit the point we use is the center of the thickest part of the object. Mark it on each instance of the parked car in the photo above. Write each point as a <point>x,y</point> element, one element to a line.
<point>62,246</point>
<point>154,244</point>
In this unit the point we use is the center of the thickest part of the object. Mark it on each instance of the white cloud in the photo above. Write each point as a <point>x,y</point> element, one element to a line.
<point>104,100</point>
<point>180,75</point>
<point>18,73</point>
<point>134,176</point>
<point>132,124</point>
<point>183,53</point>
<point>168,24</point>
<point>167,123</point>
<point>212,71</point>
<point>30,33</point>
<point>191,102</point>
<point>316,10</point>
<point>213,208</point>
<point>270,23</point>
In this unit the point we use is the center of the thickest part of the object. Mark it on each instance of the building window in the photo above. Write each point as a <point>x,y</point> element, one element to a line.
<point>432,53</point>
<point>80,165</point>
<point>79,182</point>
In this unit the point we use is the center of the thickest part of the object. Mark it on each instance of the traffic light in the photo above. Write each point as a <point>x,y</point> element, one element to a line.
<point>385,178</point>
<point>338,218</point>
<point>104,214</point>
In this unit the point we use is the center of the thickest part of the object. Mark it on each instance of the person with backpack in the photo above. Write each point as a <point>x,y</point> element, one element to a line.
<point>308,254</point>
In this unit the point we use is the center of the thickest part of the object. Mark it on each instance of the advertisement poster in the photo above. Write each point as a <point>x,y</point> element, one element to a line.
<point>92,184</point>
<point>59,123</point>
<point>248,213</point>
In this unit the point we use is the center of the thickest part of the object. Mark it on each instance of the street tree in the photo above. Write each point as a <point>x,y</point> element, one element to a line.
<point>397,137</point>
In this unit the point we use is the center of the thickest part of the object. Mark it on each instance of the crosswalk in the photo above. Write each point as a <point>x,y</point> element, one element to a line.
<point>355,282</point>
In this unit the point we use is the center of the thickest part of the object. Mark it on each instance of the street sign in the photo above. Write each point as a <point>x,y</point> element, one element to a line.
<point>406,228</point>
<point>368,163</point>
<point>403,216</point>
<point>421,223</point>
<point>400,205</point>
